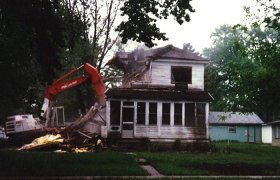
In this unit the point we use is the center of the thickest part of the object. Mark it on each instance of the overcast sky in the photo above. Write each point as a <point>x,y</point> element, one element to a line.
<point>209,15</point>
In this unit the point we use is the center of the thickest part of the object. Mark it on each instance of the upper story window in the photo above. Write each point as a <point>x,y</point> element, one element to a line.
<point>181,75</point>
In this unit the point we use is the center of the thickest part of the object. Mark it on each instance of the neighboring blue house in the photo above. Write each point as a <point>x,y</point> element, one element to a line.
<point>235,126</point>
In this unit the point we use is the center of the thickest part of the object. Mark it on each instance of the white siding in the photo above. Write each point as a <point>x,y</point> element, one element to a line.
<point>266,134</point>
<point>168,132</point>
<point>161,73</point>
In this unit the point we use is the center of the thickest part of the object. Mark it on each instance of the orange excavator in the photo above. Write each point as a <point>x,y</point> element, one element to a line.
<point>22,124</point>
<point>63,84</point>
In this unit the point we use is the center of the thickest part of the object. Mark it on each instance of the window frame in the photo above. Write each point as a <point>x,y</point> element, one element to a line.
<point>141,113</point>
<point>153,114</point>
<point>232,129</point>
<point>178,114</point>
<point>189,70</point>
<point>166,114</point>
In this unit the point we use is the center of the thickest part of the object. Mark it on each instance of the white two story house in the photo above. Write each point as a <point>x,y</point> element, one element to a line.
<point>162,95</point>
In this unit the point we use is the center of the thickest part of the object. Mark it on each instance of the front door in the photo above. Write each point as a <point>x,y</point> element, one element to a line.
<point>251,134</point>
<point>127,122</point>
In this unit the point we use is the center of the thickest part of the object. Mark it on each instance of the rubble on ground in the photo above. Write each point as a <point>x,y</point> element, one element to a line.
<point>75,137</point>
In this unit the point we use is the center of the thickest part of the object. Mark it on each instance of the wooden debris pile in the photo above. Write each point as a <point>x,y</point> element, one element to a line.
<point>73,138</point>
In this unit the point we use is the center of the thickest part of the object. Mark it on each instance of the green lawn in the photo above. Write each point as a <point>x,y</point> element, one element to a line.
<point>235,159</point>
<point>15,163</point>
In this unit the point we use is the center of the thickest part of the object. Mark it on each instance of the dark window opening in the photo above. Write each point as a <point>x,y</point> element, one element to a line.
<point>231,129</point>
<point>200,114</point>
<point>166,113</point>
<point>128,103</point>
<point>128,114</point>
<point>190,114</point>
<point>177,114</point>
<point>153,113</point>
<point>141,112</point>
<point>115,112</point>
<point>181,76</point>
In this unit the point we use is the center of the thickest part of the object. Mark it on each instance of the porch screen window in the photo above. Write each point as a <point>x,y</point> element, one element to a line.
<point>166,113</point>
<point>277,132</point>
<point>181,75</point>
<point>141,112</point>
<point>200,114</point>
<point>115,112</point>
<point>177,114</point>
<point>153,113</point>
<point>190,114</point>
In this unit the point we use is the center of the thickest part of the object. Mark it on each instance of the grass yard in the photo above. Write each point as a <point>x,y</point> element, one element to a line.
<point>232,159</point>
<point>15,163</point>
<point>235,159</point>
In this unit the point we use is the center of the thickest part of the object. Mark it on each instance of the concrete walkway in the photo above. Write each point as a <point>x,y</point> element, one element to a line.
<point>148,168</point>
<point>151,170</point>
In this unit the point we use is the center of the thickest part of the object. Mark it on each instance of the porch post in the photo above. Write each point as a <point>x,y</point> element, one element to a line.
<point>206,120</point>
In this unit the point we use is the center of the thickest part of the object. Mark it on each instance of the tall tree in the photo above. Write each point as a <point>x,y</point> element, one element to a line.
<point>30,43</point>
<point>40,39</point>
<point>243,74</point>
<point>141,17</point>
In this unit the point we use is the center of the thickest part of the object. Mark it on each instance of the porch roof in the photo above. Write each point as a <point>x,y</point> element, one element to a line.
<point>159,94</point>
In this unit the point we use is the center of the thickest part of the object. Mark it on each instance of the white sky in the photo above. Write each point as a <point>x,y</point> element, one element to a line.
<point>208,15</point>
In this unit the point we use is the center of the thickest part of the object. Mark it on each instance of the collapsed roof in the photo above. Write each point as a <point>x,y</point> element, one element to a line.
<point>136,63</point>
<point>130,62</point>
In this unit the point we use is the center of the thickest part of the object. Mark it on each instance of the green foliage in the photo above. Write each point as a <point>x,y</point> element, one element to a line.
<point>142,16</point>
<point>42,40</point>
<point>177,145</point>
<point>30,44</point>
<point>243,72</point>
<point>153,147</point>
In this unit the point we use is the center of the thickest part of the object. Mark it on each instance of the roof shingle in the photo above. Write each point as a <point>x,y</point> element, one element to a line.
<point>233,118</point>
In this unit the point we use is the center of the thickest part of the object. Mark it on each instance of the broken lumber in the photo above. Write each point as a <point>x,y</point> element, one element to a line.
<point>80,122</point>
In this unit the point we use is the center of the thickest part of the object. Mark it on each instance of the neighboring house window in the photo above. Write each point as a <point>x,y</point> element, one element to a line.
<point>190,114</point>
<point>153,113</point>
<point>115,112</point>
<point>166,113</point>
<point>181,75</point>
<point>141,112</point>
<point>177,114</point>
<point>231,129</point>
<point>277,132</point>
<point>200,114</point>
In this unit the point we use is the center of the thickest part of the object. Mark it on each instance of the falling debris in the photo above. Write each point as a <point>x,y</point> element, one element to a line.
<point>48,139</point>
<point>75,137</point>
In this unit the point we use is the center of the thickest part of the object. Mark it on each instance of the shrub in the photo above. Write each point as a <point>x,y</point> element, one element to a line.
<point>177,145</point>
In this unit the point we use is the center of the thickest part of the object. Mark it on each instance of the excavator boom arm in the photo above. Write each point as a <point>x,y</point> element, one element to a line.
<point>62,84</point>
